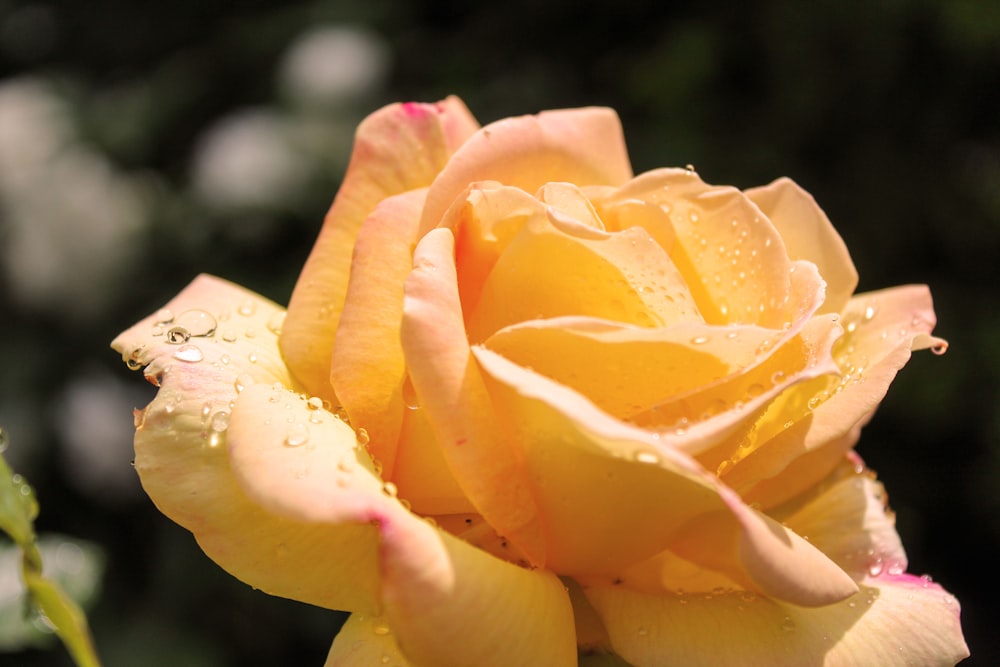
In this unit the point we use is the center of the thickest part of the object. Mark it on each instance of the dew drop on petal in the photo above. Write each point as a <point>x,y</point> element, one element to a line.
<point>298,435</point>
<point>788,625</point>
<point>242,382</point>
<point>700,340</point>
<point>940,348</point>
<point>247,308</point>
<point>390,489</point>
<point>647,457</point>
<point>275,322</point>
<point>314,403</point>
<point>220,421</point>
<point>178,335</point>
<point>380,627</point>
<point>189,353</point>
<point>870,311</point>
<point>362,437</point>
<point>198,322</point>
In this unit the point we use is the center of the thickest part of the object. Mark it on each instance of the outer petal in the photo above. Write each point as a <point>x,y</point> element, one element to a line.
<point>445,601</point>
<point>363,641</point>
<point>895,619</point>
<point>632,497</point>
<point>368,370</point>
<point>581,146</point>
<point>881,329</point>
<point>808,235</point>
<point>890,622</point>
<point>449,387</point>
<point>183,436</point>
<point>398,148</point>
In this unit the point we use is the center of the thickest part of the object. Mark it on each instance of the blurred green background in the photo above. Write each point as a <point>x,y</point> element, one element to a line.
<point>142,144</point>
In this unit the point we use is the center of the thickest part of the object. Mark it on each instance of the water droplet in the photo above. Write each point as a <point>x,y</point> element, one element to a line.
<point>250,333</point>
<point>642,631</point>
<point>252,358</point>
<point>788,625</point>
<point>700,340</point>
<point>755,390</point>
<point>163,316</point>
<point>385,659</point>
<point>220,421</point>
<point>298,435</point>
<point>133,364</point>
<point>851,327</point>
<point>732,334</point>
<point>689,168</point>
<point>275,322</point>
<point>777,377</point>
<point>157,330</point>
<point>242,382</point>
<point>813,402</point>
<point>362,437</point>
<point>189,353</point>
<point>198,322</point>
<point>345,465</point>
<point>178,335</point>
<point>647,457</point>
<point>410,395</point>
<point>390,489</point>
<point>247,308</point>
<point>314,403</point>
<point>940,348</point>
<point>229,336</point>
<point>723,467</point>
<point>380,627</point>
<point>876,567</point>
<point>870,312</point>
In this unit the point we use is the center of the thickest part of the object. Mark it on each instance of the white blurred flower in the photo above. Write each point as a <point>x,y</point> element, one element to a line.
<point>248,160</point>
<point>96,435</point>
<point>70,219</point>
<point>328,65</point>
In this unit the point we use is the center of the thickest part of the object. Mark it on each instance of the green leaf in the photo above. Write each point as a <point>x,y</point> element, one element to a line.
<point>54,608</point>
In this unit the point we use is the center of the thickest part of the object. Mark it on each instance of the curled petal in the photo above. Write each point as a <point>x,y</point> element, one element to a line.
<point>367,369</point>
<point>581,146</point>
<point>633,495</point>
<point>891,621</point>
<point>880,331</point>
<point>808,234</point>
<point>398,148</point>
<point>214,395</point>
<point>450,388</point>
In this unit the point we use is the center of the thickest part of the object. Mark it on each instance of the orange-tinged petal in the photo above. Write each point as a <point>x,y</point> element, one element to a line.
<point>733,258</point>
<point>449,387</point>
<point>422,475</point>
<point>611,494</point>
<point>554,268</point>
<point>450,604</point>
<point>363,641</point>
<point>581,146</point>
<point>808,234</point>
<point>880,331</point>
<point>183,436</point>
<point>848,520</point>
<point>398,148</point>
<point>367,370</point>
<point>891,621</point>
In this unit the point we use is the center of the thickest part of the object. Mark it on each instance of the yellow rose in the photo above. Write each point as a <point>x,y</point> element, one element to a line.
<point>526,407</point>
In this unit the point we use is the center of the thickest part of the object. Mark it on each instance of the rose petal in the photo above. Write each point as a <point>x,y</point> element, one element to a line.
<point>734,259</point>
<point>363,641</point>
<point>633,496</point>
<point>398,148</point>
<point>849,522</point>
<point>881,328</point>
<point>891,621</point>
<point>808,234</point>
<point>448,386</point>
<point>555,267</point>
<point>451,604</point>
<point>581,146</point>
<point>183,437</point>
<point>367,369</point>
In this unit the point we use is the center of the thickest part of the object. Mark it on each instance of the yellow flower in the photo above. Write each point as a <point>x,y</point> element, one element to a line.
<point>526,406</point>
